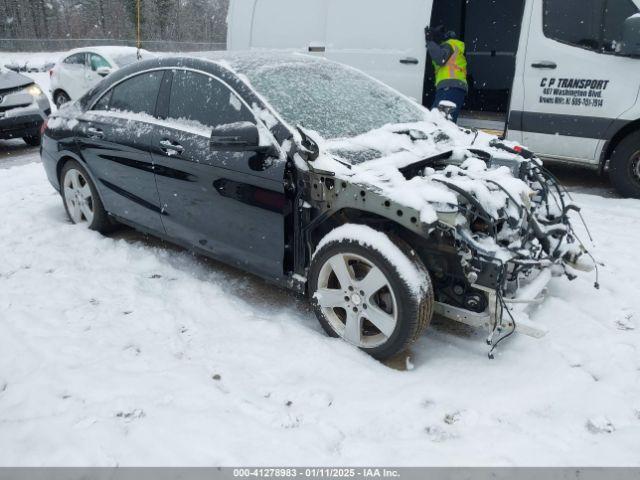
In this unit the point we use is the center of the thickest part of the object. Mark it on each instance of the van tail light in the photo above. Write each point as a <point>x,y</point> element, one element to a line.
<point>44,126</point>
<point>51,72</point>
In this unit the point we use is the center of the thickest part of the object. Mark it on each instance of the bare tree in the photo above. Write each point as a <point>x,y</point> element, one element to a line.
<point>161,20</point>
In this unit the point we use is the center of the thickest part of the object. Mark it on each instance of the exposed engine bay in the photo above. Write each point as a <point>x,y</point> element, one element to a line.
<point>491,224</point>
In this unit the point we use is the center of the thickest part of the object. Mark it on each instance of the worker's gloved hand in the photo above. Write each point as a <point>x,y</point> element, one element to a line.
<point>433,34</point>
<point>429,34</point>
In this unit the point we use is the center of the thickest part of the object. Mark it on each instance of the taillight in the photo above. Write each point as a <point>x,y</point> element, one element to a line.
<point>51,72</point>
<point>44,126</point>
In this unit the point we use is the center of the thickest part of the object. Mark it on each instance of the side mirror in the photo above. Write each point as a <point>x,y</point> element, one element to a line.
<point>239,137</point>
<point>631,36</point>
<point>103,71</point>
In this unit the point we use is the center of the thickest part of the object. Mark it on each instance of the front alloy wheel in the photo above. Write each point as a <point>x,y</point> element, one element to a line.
<point>361,296</point>
<point>357,300</point>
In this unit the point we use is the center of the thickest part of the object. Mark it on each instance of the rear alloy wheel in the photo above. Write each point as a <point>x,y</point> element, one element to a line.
<point>624,168</point>
<point>361,297</point>
<point>61,98</point>
<point>81,199</point>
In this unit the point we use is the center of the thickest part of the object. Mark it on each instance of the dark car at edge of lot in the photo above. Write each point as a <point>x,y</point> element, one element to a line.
<point>23,107</point>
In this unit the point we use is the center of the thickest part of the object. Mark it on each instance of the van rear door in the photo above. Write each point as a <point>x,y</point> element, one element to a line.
<point>383,38</point>
<point>575,83</point>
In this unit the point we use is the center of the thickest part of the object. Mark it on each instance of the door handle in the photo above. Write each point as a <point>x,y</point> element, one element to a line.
<point>171,148</point>
<point>93,132</point>
<point>545,64</point>
<point>409,61</point>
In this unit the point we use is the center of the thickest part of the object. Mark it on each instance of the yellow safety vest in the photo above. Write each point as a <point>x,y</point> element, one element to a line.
<point>456,66</point>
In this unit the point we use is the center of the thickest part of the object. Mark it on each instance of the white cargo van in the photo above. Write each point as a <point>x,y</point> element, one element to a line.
<point>560,76</point>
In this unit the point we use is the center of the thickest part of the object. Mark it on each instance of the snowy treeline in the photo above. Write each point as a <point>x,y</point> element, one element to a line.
<point>167,20</point>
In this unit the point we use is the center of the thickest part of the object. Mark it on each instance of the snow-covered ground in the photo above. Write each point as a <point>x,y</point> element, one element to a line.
<point>121,351</point>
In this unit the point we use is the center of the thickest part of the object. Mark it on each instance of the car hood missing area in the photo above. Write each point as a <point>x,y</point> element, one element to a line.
<point>495,195</point>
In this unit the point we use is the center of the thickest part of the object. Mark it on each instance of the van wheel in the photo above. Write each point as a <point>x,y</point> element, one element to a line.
<point>624,168</point>
<point>358,294</point>
<point>81,200</point>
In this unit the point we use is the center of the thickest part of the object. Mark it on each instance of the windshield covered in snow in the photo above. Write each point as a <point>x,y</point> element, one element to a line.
<point>334,100</point>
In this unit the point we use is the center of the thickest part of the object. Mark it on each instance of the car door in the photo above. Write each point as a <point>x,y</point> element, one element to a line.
<point>94,62</point>
<point>382,38</point>
<point>114,138</point>
<point>71,75</point>
<point>575,83</point>
<point>229,204</point>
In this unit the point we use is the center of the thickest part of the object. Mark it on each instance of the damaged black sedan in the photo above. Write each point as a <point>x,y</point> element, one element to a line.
<point>322,180</point>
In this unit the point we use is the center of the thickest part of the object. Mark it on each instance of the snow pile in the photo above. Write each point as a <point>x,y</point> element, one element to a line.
<point>120,351</point>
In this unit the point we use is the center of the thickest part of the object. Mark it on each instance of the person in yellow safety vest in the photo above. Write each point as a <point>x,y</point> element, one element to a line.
<point>450,65</point>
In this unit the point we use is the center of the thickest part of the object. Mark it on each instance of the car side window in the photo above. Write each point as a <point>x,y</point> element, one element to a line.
<point>76,60</point>
<point>592,24</point>
<point>97,61</point>
<point>137,94</point>
<point>103,103</point>
<point>196,97</point>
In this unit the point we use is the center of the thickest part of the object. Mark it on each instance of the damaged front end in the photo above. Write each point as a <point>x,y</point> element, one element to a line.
<point>493,230</point>
<point>511,251</point>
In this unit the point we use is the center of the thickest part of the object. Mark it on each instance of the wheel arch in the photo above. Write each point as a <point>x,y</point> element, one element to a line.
<point>611,145</point>
<point>376,221</point>
<point>58,91</point>
<point>65,158</point>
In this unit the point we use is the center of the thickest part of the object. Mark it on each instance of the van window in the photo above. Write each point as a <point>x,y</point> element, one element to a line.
<point>199,98</point>
<point>591,24</point>
<point>616,12</point>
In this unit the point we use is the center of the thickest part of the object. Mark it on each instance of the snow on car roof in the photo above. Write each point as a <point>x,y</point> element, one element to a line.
<point>105,50</point>
<point>250,60</point>
<point>113,52</point>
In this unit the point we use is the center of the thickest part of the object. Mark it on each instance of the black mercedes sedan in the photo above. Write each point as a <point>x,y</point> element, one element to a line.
<point>323,180</point>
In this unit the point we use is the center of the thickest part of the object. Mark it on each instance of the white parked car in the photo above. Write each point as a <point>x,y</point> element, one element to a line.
<point>80,69</point>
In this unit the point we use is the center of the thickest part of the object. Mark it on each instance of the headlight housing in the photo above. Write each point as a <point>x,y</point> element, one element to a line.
<point>34,90</point>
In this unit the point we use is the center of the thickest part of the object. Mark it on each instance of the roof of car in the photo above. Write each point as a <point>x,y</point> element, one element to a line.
<point>106,50</point>
<point>241,60</point>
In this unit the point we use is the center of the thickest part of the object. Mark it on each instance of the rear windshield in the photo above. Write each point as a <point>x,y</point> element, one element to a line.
<point>125,59</point>
<point>334,100</point>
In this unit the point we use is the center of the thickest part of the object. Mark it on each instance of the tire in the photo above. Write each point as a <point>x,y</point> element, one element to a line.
<point>384,320</point>
<point>81,200</point>
<point>60,98</point>
<point>32,140</point>
<point>624,167</point>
